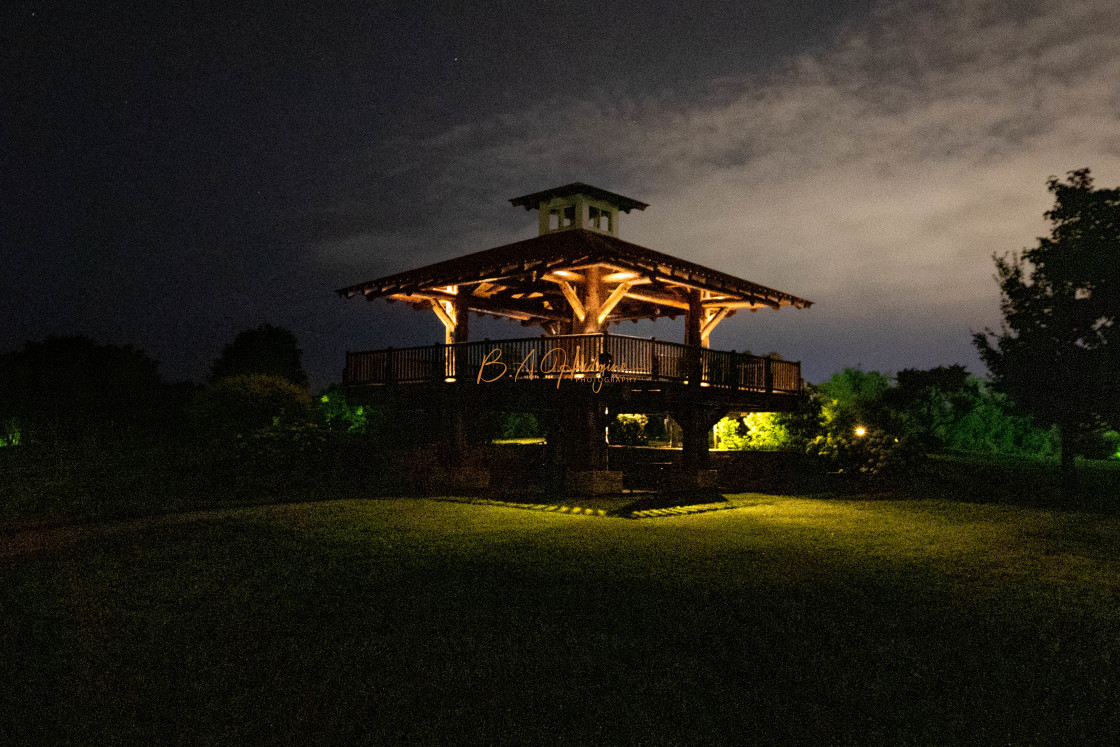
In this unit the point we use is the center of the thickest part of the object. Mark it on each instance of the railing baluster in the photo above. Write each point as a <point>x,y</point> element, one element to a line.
<point>630,357</point>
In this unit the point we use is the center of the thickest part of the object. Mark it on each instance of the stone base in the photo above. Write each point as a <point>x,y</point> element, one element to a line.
<point>469,478</point>
<point>678,480</point>
<point>423,470</point>
<point>594,482</point>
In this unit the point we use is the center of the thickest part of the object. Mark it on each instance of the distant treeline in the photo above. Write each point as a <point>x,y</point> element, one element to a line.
<point>69,389</point>
<point>66,390</point>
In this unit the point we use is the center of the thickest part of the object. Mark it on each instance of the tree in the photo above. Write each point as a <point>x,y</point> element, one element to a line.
<point>67,388</point>
<point>929,402</point>
<point>243,404</point>
<point>266,350</point>
<point>856,398</point>
<point>755,431</point>
<point>1057,355</point>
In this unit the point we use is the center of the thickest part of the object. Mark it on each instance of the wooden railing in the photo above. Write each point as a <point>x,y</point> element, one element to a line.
<point>610,357</point>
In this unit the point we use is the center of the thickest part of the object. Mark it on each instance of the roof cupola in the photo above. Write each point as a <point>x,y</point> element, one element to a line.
<point>578,205</point>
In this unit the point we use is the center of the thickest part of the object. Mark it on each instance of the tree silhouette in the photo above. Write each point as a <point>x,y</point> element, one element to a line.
<point>1058,352</point>
<point>70,387</point>
<point>269,350</point>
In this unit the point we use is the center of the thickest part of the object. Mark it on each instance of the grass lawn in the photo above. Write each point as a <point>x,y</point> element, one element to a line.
<point>783,620</point>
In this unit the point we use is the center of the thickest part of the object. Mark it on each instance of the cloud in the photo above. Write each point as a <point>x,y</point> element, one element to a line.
<point>876,176</point>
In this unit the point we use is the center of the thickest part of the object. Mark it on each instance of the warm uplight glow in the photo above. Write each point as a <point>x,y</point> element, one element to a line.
<point>450,380</point>
<point>861,431</point>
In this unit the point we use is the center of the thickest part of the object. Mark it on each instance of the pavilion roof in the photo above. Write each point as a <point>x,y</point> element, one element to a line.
<point>533,201</point>
<point>514,280</point>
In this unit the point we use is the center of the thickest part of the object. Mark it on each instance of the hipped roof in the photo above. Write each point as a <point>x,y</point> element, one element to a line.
<point>516,269</point>
<point>533,201</point>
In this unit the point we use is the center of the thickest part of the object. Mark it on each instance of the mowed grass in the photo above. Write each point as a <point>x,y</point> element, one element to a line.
<point>784,620</point>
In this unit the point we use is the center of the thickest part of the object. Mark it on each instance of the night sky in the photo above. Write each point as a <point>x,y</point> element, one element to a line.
<point>174,175</point>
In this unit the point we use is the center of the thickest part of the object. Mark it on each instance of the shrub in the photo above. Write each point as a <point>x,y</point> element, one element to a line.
<point>267,350</point>
<point>285,444</point>
<point>340,415</point>
<point>629,430</point>
<point>875,454</point>
<point>756,431</point>
<point>1101,443</point>
<point>854,397</point>
<point>241,405</point>
<point>10,434</point>
<point>990,425</point>
<point>70,389</point>
<point>521,425</point>
<point>655,427</point>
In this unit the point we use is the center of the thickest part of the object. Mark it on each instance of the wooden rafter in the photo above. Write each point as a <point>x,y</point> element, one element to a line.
<point>573,299</point>
<point>568,255</point>
<point>712,321</point>
<point>485,306</point>
<point>612,300</point>
<point>658,298</point>
<point>442,313</point>
<point>565,275</point>
<point>752,304</point>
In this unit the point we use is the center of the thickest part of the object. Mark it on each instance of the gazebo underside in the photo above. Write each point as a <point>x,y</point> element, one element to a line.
<point>574,285</point>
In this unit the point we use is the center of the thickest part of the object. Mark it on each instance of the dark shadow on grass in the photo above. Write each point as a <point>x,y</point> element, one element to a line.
<point>671,499</point>
<point>402,626</point>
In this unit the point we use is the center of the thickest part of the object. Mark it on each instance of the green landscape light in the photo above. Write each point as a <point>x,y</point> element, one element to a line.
<point>10,434</point>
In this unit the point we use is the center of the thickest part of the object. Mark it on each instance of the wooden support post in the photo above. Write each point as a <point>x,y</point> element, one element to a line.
<point>454,316</point>
<point>544,215</point>
<point>577,436</point>
<point>696,421</point>
<point>447,410</point>
<point>596,437</point>
<point>692,338</point>
<point>694,454</point>
<point>461,333</point>
<point>592,300</point>
<point>693,319</point>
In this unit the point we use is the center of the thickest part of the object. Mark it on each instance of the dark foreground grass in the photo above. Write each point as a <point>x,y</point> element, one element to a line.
<point>1022,481</point>
<point>782,621</point>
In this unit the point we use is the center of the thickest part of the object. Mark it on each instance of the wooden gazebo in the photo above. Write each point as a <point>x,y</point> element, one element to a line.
<point>575,280</point>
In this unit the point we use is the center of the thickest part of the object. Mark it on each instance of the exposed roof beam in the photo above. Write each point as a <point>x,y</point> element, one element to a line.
<point>659,299</point>
<point>573,299</point>
<point>484,306</point>
<point>753,304</point>
<point>711,323</point>
<point>627,276</point>
<point>557,276</point>
<point>612,300</point>
<point>441,312</point>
